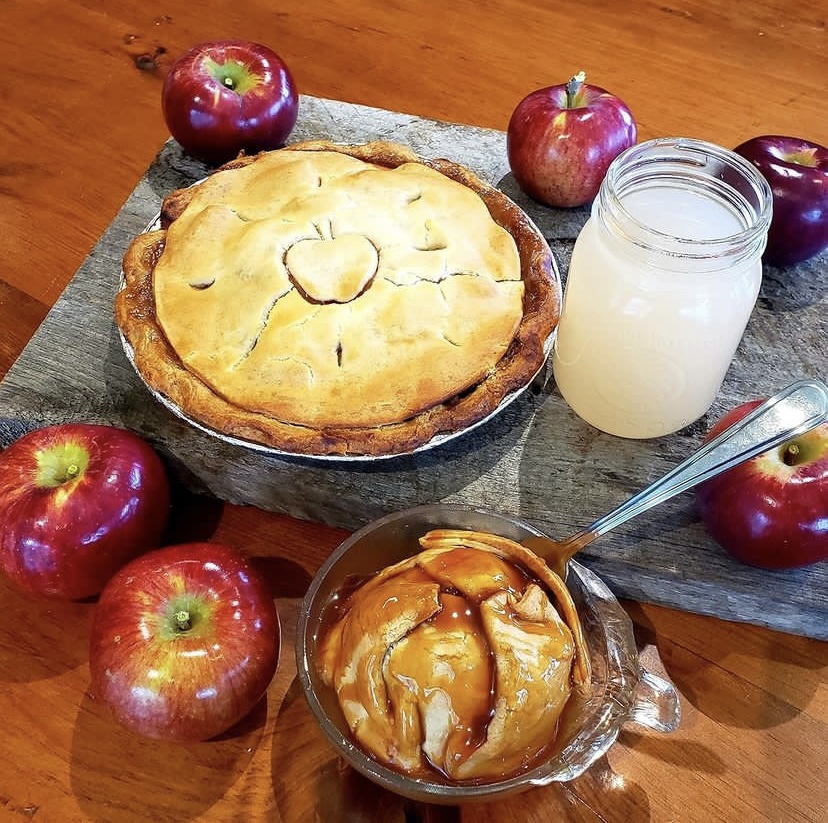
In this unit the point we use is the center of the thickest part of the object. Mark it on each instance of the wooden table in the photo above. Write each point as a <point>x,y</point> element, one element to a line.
<point>81,123</point>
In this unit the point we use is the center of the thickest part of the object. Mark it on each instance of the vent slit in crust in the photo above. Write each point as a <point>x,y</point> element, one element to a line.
<point>255,339</point>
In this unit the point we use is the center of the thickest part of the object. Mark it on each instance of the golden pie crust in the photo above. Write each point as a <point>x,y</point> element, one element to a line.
<point>324,299</point>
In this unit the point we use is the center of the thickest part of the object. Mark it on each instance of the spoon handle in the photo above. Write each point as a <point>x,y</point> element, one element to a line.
<point>794,410</point>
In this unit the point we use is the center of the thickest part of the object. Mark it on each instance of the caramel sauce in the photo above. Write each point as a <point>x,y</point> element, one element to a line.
<point>459,614</point>
<point>338,604</point>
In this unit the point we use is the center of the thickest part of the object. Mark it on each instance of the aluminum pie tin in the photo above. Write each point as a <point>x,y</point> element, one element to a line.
<point>436,441</point>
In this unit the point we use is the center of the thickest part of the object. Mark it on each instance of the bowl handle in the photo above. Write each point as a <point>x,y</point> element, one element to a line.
<point>655,703</point>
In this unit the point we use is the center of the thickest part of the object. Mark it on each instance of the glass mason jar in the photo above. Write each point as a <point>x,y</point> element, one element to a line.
<point>663,279</point>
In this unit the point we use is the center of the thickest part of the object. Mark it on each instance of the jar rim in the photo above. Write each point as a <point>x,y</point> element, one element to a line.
<point>697,164</point>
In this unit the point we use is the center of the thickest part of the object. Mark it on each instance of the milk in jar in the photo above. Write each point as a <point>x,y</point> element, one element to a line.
<point>662,282</point>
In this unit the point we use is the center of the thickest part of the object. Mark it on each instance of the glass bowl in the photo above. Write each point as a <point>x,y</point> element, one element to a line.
<point>621,689</point>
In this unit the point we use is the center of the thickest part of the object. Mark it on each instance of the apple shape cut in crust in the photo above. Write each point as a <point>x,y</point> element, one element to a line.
<point>344,301</point>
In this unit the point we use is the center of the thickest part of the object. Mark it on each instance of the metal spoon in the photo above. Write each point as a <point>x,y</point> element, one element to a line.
<point>794,410</point>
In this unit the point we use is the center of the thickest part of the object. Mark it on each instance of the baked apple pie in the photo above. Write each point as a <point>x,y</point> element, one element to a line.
<point>338,300</point>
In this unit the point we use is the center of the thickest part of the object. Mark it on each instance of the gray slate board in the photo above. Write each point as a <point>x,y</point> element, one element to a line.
<point>536,459</point>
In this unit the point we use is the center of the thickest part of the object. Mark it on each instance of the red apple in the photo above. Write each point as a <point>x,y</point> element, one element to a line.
<point>184,642</point>
<point>797,171</point>
<point>227,96</point>
<point>77,501</point>
<point>772,510</point>
<point>562,139</point>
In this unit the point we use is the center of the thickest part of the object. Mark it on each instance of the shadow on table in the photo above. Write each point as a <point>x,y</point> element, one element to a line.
<point>42,637</point>
<point>715,689</point>
<point>117,775</point>
<point>311,782</point>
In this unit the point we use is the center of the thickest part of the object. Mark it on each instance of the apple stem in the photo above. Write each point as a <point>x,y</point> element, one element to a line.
<point>790,454</point>
<point>182,620</point>
<point>573,87</point>
<point>229,82</point>
<point>72,471</point>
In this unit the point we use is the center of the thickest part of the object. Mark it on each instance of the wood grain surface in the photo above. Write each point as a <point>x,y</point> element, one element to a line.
<point>81,121</point>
